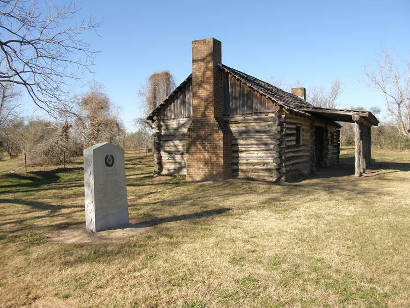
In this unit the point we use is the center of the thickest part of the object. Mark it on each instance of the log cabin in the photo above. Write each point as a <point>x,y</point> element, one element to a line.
<point>221,123</point>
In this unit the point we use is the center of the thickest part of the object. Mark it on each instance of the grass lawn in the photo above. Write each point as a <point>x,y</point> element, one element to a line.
<point>332,240</point>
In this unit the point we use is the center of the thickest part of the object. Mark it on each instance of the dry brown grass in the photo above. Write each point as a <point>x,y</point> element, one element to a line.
<point>331,240</point>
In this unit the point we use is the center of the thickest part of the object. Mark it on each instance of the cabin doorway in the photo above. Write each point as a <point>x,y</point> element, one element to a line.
<point>320,146</point>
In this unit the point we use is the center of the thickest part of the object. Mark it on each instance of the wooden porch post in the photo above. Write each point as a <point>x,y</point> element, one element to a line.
<point>363,152</point>
<point>370,145</point>
<point>362,144</point>
<point>358,148</point>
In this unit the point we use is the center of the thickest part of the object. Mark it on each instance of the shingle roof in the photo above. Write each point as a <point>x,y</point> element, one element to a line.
<point>291,101</point>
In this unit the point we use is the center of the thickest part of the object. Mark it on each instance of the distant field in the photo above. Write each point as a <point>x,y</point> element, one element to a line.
<point>332,240</point>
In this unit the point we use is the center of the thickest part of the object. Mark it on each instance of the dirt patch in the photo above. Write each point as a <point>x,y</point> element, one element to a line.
<point>78,235</point>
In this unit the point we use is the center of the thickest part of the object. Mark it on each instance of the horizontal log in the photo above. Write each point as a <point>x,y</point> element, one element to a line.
<point>256,155</point>
<point>258,139</point>
<point>251,119</point>
<point>254,159</point>
<point>296,121</point>
<point>257,172</point>
<point>304,146</point>
<point>294,155</point>
<point>287,126</point>
<point>259,176</point>
<point>255,134</point>
<point>290,139</point>
<point>250,133</point>
<point>173,146</point>
<point>259,147</point>
<point>255,168</point>
<point>176,122</point>
<point>257,161</point>
<point>177,142</point>
<point>298,149</point>
<point>260,126</point>
<point>259,153</point>
<point>297,162</point>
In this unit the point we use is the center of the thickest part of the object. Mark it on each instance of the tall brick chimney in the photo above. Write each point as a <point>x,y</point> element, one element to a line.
<point>301,92</point>
<point>209,139</point>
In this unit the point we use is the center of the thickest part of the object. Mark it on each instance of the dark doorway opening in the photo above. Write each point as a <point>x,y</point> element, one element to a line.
<point>320,146</point>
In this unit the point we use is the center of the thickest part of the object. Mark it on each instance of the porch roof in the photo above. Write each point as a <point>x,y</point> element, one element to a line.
<point>342,115</point>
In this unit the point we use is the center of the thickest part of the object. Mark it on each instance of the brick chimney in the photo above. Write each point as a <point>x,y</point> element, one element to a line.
<point>301,92</point>
<point>209,142</point>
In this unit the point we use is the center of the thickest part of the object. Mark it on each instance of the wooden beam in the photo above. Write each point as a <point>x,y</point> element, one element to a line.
<point>370,145</point>
<point>344,115</point>
<point>363,148</point>
<point>357,154</point>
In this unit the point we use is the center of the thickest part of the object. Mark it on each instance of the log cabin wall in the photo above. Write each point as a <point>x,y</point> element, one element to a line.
<point>256,146</point>
<point>298,146</point>
<point>175,120</point>
<point>299,154</point>
<point>253,120</point>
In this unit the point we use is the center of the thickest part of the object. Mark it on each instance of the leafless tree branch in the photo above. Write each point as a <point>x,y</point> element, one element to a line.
<point>41,51</point>
<point>393,82</point>
<point>326,99</point>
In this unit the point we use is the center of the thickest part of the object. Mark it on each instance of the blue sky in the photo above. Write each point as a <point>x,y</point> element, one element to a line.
<point>308,41</point>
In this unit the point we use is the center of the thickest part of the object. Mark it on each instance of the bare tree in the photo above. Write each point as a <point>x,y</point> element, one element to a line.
<point>41,50</point>
<point>393,82</point>
<point>8,106</point>
<point>11,137</point>
<point>319,97</point>
<point>159,86</point>
<point>96,121</point>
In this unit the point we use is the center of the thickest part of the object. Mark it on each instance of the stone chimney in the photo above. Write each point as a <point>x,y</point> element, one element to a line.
<point>301,92</point>
<point>208,145</point>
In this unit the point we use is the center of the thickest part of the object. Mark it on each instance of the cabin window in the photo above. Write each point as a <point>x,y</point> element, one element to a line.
<point>298,135</point>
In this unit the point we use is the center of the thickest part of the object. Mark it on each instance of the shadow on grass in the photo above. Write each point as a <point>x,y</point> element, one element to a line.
<point>198,215</point>
<point>34,179</point>
<point>392,165</point>
<point>346,167</point>
<point>38,205</point>
<point>52,211</point>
